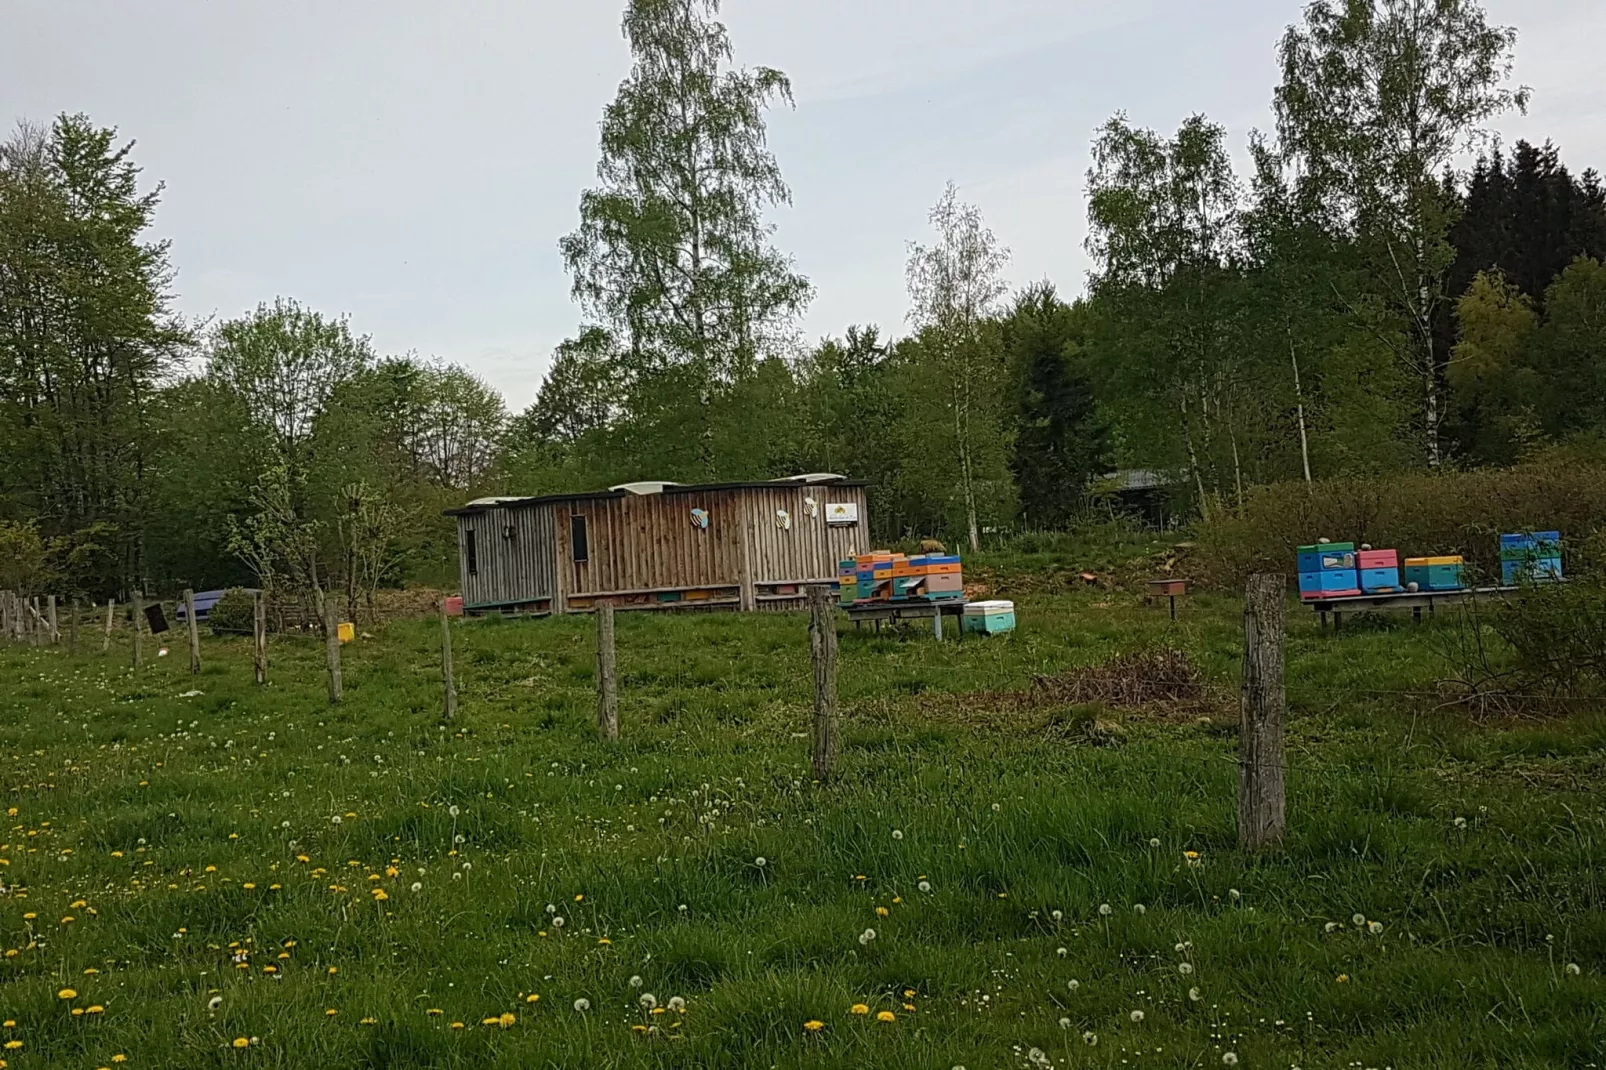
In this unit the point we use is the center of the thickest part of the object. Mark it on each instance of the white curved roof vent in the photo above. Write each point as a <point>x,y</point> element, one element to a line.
<point>645,486</point>
<point>818,477</point>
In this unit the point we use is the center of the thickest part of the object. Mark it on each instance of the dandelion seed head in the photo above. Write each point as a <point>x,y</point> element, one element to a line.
<point>1136,1016</point>
<point>582,1005</point>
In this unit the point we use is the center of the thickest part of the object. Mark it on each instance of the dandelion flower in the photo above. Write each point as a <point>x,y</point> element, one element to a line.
<point>1374,927</point>
<point>677,1004</point>
<point>67,993</point>
<point>1573,969</point>
<point>1065,1023</point>
<point>1342,978</point>
<point>814,1025</point>
<point>242,1042</point>
<point>434,1012</point>
<point>214,1003</point>
<point>95,1009</point>
<point>635,981</point>
<point>1229,1058</point>
<point>1184,968</point>
<point>532,998</point>
<point>924,886</point>
<point>761,862</point>
<point>1073,984</point>
<point>1235,894</point>
<point>1062,951</point>
<point>1330,926</point>
<point>1140,909</point>
<point>866,936</point>
<point>1460,822</point>
<point>859,1008</point>
<point>1358,919</point>
<point>582,1005</point>
<point>1136,1016</point>
<point>1090,1038</point>
<point>886,1016</point>
<point>882,912</point>
<point>507,1019</point>
<point>1038,1057</point>
<point>648,1000</point>
<point>1195,995</point>
<point>331,1012</point>
<point>1106,910</point>
<point>1057,915</point>
<point>557,923</point>
<point>418,886</point>
<point>897,834</point>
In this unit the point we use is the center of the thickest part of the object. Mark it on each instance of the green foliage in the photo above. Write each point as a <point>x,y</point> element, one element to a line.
<point>233,614</point>
<point>1416,513</point>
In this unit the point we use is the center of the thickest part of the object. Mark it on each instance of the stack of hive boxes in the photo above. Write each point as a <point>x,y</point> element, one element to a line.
<point>1328,570</point>
<point>889,577</point>
<point>1380,571</point>
<point>1435,573</point>
<point>1533,557</point>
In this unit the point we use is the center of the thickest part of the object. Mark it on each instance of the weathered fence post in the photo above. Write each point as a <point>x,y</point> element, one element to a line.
<point>138,607</point>
<point>72,627</point>
<point>5,614</point>
<point>36,621</point>
<point>55,622</point>
<point>259,636</point>
<point>331,631</point>
<point>450,709</point>
<point>106,640</point>
<point>195,630</point>
<point>607,680</point>
<point>1262,817</point>
<point>822,651</point>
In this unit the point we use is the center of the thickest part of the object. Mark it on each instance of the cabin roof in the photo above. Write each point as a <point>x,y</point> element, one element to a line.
<point>481,505</point>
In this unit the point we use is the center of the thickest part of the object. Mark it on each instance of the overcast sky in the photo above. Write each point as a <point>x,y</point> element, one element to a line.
<point>414,162</point>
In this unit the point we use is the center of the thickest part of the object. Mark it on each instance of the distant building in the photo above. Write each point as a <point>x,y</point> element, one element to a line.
<point>1140,492</point>
<point>660,545</point>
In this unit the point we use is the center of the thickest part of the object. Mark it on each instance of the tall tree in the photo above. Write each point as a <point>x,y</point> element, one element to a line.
<point>1061,444</point>
<point>1163,232</point>
<point>1377,98</point>
<point>955,286</point>
<point>85,336</point>
<point>673,253</point>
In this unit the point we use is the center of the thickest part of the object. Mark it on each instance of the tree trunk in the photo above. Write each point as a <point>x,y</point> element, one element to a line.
<point>106,640</point>
<point>138,606</point>
<point>331,635</point>
<point>822,651</point>
<point>259,636</point>
<point>195,631</point>
<point>1299,399</point>
<point>1261,768</point>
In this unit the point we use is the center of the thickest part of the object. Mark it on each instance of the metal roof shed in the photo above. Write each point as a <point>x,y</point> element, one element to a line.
<point>659,545</point>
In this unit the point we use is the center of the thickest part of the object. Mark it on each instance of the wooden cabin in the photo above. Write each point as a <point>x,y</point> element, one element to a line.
<point>742,546</point>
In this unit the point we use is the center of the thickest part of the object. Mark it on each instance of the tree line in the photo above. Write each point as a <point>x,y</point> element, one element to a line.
<point>1360,302</point>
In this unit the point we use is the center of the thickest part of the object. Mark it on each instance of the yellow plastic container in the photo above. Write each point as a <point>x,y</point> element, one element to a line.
<point>347,631</point>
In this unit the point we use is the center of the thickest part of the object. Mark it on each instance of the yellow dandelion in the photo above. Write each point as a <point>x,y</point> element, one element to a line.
<point>77,1012</point>
<point>96,1009</point>
<point>333,970</point>
<point>859,1008</point>
<point>67,993</point>
<point>330,1013</point>
<point>814,1025</point>
<point>242,1042</point>
<point>369,1021</point>
<point>638,1028</point>
<point>457,1025</point>
<point>434,1012</point>
<point>507,1019</point>
<point>580,898</point>
<point>90,971</point>
<point>13,1045</point>
<point>882,912</point>
<point>532,998</point>
<point>886,1016</point>
<point>490,1021</point>
<point>605,942</point>
<point>1343,978</point>
<point>119,1058</point>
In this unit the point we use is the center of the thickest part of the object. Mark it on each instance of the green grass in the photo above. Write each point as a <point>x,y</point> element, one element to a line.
<point>126,795</point>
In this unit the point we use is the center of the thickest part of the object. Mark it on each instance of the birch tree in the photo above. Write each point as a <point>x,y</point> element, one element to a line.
<point>1378,98</point>
<point>955,285</point>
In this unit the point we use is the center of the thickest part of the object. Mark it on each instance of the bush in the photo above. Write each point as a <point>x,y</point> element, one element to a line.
<point>233,612</point>
<point>1417,513</point>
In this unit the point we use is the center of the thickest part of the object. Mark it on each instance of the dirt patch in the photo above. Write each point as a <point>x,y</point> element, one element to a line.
<point>1127,681</point>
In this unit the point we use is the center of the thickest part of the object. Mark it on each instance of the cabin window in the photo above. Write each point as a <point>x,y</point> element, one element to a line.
<point>471,555</point>
<point>578,542</point>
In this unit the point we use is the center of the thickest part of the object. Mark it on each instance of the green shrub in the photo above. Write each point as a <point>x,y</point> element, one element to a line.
<point>233,612</point>
<point>1417,513</point>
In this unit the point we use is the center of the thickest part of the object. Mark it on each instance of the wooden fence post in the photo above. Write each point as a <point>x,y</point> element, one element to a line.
<point>106,640</point>
<point>259,636</point>
<point>5,614</point>
<point>55,622</point>
<point>72,627</point>
<point>607,679</point>
<point>822,651</point>
<point>1262,817</point>
<point>450,709</point>
<point>331,630</point>
<point>36,621</point>
<point>195,630</point>
<point>138,607</point>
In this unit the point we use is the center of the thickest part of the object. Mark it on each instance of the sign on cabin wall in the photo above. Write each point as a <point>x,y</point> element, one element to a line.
<point>842,513</point>
<point>699,519</point>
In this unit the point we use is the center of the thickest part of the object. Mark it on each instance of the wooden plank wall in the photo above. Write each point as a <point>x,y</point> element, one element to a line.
<point>647,543</point>
<point>809,549</point>
<point>512,570</point>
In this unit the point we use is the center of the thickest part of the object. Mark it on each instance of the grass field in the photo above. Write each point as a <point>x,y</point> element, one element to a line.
<point>201,873</point>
